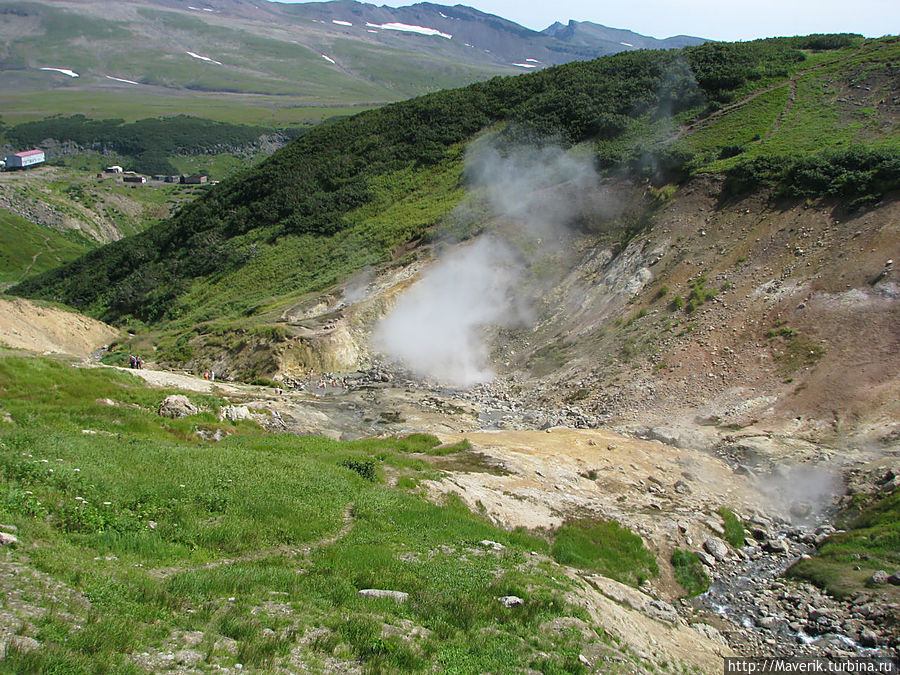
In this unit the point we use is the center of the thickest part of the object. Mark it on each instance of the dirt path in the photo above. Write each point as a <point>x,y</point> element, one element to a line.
<point>284,551</point>
<point>34,259</point>
<point>788,106</point>
<point>791,82</point>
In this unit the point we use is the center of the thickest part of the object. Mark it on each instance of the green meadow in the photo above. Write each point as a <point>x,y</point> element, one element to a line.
<point>257,544</point>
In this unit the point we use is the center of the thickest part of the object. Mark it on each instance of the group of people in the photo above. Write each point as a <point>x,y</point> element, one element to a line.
<point>333,380</point>
<point>135,361</point>
<point>209,375</point>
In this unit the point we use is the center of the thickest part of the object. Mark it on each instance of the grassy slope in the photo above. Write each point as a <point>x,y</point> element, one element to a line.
<point>130,105</point>
<point>27,249</point>
<point>809,119</point>
<point>265,74</point>
<point>165,533</point>
<point>73,192</point>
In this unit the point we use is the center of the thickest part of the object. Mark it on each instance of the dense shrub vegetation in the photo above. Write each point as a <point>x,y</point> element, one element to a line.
<point>857,175</point>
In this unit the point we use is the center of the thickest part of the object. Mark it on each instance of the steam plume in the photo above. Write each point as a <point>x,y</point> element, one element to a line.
<point>441,326</point>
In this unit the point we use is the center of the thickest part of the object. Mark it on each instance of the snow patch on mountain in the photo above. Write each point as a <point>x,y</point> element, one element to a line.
<point>64,71</point>
<point>203,58</point>
<point>407,28</point>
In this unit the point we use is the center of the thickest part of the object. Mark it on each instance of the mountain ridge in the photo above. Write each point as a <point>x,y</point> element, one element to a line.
<point>282,58</point>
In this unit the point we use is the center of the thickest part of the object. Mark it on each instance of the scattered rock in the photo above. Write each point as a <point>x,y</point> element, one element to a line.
<point>9,528</point>
<point>188,657</point>
<point>768,622</point>
<point>709,632</point>
<point>510,600</point>
<point>682,487</point>
<point>495,545</point>
<point>776,546</point>
<point>663,435</point>
<point>716,548</point>
<point>207,435</point>
<point>397,596</point>
<point>177,405</point>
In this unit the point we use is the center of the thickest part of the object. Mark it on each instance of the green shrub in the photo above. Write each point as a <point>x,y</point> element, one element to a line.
<point>365,468</point>
<point>858,175</point>
<point>689,572</point>
<point>734,529</point>
<point>605,547</point>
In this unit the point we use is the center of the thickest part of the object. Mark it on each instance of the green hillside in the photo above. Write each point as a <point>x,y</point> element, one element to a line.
<point>132,519</point>
<point>348,193</point>
<point>27,249</point>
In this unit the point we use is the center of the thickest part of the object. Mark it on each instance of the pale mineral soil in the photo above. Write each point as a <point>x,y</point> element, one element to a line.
<point>45,329</point>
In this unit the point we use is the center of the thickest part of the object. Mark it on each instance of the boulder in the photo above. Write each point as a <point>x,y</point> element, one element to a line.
<point>706,558</point>
<point>879,577</point>
<point>868,638</point>
<point>662,611</point>
<point>716,548</point>
<point>235,413</point>
<point>495,545</point>
<point>801,510</point>
<point>20,643</point>
<point>894,579</point>
<point>776,546</point>
<point>7,539</point>
<point>510,600</point>
<point>397,596</point>
<point>682,488</point>
<point>715,527</point>
<point>177,405</point>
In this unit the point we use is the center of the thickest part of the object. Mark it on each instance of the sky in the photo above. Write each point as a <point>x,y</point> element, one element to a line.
<point>712,19</point>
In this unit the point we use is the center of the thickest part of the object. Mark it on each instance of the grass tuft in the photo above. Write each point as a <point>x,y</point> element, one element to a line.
<point>605,547</point>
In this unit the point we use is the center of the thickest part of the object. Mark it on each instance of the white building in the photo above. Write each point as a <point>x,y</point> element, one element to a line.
<point>24,159</point>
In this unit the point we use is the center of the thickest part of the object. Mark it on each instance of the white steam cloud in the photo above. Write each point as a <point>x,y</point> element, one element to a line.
<point>436,329</point>
<point>440,328</point>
